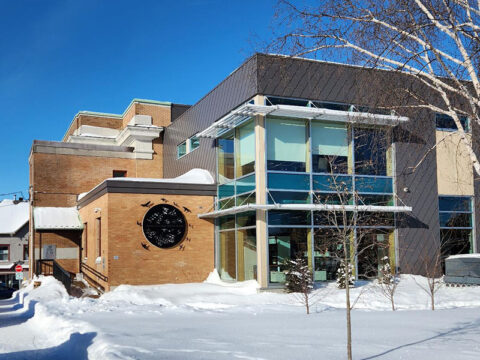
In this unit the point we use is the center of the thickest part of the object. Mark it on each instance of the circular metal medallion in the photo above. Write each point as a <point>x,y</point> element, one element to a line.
<point>164,226</point>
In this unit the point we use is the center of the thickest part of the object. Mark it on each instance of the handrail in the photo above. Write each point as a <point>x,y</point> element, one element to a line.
<point>62,275</point>
<point>95,272</point>
<point>93,283</point>
<point>44,267</point>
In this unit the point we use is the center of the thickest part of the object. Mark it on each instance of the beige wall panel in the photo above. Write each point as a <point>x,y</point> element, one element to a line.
<point>454,168</point>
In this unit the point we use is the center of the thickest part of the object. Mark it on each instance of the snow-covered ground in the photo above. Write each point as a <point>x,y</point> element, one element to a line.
<point>214,320</point>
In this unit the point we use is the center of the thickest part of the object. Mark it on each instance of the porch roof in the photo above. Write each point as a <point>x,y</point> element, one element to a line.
<point>56,218</point>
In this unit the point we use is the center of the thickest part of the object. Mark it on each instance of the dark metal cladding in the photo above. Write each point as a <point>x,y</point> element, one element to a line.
<point>230,93</point>
<point>177,110</point>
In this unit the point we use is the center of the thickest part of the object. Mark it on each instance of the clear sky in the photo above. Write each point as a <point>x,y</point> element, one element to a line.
<point>61,57</point>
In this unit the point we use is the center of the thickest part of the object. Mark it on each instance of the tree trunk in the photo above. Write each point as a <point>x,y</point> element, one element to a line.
<point>393,304</point>
<point>349,320</point>
<point>433,301</point>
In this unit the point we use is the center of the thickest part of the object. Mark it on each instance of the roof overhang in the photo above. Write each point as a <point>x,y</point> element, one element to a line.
<point>246,111</point>
<point>56,218</point>
<point>305,207</point>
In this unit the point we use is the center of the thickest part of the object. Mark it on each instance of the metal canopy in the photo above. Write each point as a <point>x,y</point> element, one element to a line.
<point>318,207</point>
<point>246,111</point>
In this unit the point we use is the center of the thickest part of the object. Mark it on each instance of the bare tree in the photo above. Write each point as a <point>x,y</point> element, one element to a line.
<point>349,237</point>
<point>435,43</point>
<point>388,281</point>
<point>433,274</point>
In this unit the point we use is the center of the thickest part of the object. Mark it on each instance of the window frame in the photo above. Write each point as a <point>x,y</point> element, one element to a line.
<point>178,149</point>
<point>467,127</point>
<point>188,146</point>
<point>116,173</point>
<point>8,251</point>
<point>25,252</point>
<point>85,241</point>
<point>98,234</point>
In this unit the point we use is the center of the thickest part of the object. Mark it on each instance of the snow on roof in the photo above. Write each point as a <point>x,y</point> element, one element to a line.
<point>13,216</point>
<point>6,266</point>
<point>48,218</point>
<point>464,256</point>
<point>194,176</point>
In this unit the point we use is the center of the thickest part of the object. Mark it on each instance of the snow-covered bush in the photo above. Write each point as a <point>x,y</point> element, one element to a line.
<point>343,274</point>
<point>299,280</point>
<point>298,276</point>
<point>387,281</point>
<point>385,275</point>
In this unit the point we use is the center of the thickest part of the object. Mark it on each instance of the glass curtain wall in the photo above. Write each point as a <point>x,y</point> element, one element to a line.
<point>237,243</point>
<point>236,234</point>
<point>327,163</point>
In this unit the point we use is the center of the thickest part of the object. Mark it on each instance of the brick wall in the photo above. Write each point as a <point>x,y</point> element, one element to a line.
<point>191,262</point>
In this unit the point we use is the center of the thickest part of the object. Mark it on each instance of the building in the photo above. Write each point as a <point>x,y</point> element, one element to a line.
<point>242,180</point>
<point>13,240</point>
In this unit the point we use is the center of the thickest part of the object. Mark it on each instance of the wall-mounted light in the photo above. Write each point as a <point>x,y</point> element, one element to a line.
<point>97,210</point>
<point>406,189</point>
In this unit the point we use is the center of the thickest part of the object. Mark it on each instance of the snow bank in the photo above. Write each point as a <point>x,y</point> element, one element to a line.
<point>125,322</point>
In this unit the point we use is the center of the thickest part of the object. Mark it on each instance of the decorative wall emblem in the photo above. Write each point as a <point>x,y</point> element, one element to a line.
<point>164,226</point>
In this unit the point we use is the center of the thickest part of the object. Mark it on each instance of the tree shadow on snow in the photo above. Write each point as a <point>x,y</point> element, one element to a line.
<point>74,348</point>
<point>461,329</point>
<point>10,319</point>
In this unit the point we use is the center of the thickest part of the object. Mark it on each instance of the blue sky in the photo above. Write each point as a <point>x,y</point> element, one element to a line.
<point>60,57</point>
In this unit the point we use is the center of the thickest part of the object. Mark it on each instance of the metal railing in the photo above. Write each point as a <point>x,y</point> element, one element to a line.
<point>94,272</point>
<point>62,275</point>
<point>44,267</point>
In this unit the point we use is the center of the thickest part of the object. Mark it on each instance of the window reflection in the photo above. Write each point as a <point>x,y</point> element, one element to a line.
<point>370,151</point>
<point>286,145</point>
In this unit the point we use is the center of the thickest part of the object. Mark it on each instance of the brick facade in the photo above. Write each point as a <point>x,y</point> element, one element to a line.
<point>127,257</point>
<point>60,173</point>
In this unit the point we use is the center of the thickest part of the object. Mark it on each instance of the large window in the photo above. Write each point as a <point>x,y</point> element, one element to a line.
<point>245,152</point>
<point>225,158</point>
<point>456,225</point>
<point>370,151</point>
<point>284,244</point>
<point>329,147</point>
<point>286,145</point>
<point>237,255</point>
<point>228,255</point>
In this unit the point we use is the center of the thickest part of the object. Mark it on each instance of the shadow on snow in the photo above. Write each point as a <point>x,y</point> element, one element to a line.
<point>74,348</point>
